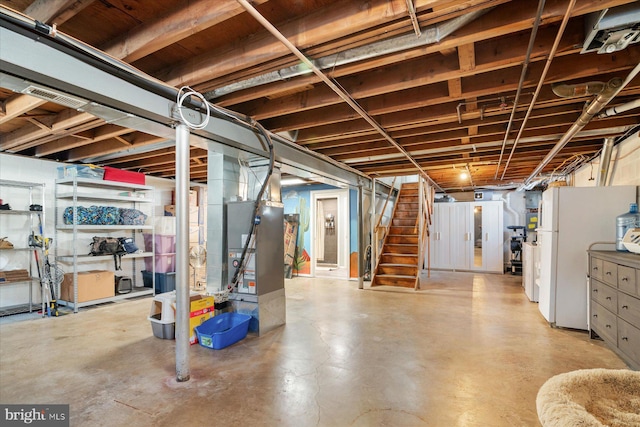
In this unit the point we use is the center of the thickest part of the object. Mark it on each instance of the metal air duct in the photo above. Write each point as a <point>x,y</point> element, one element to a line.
<point>605,158</point>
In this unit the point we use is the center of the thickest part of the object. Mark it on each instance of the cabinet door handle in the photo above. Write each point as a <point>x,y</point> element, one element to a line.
<point>608,273</point>
<point>609,326</point>
<point>595,315</point>
<point>625,307</point>
<point>625,339</point>
<point>595,290</point>
<point>486,237</point>
<point>609,298</point>
<point>625,279</point>
<point>595,268</point>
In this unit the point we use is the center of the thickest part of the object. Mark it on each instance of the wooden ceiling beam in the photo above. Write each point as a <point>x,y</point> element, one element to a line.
<point>59,125</point>
<point>17,105</point>
<point>409,94</point>
<point>109,146</point>
<point>329,24</point>
<point>513,18</point>
<point>98,134</point>
<point>55,11</point>
<point>176,25</point>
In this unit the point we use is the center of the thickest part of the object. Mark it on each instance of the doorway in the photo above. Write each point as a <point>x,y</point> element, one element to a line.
<point>330,225</point>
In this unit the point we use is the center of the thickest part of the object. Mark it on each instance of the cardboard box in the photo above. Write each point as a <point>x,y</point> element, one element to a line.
<point>193,198</point>
<point>202,309</point>
<point>92,285</point>
<point>170,210</point>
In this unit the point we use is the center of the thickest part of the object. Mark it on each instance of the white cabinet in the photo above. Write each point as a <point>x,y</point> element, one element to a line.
<point>461,249</point>
<point>440,239</point>
<point>74,193</point>
<point>468,236</point>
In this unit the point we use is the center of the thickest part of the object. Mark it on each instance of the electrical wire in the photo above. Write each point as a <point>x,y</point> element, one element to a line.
<point>181,97</point>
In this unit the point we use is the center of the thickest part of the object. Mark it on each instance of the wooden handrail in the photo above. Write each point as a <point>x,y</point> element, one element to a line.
<point>384,207</point>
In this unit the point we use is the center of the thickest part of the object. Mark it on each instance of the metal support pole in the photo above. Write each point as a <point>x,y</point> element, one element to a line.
<point>182,253</point>
<point>361,257</point>
<point>374,235</point>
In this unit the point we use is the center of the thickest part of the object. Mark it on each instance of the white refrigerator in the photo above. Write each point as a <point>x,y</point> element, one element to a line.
<point>572,219</point>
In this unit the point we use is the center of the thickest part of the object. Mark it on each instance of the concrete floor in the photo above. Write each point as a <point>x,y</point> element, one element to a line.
<point>467,350</point>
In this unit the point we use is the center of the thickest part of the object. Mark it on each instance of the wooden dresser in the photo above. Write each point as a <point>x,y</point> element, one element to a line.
<point>614,313</point>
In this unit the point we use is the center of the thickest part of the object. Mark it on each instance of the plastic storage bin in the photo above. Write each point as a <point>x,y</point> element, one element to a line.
<point>164,244</point>
<point>223,330</point>
<point>80,171</point>
<point>165,263</point>
<point>165,282</point>
<point>163,316</point>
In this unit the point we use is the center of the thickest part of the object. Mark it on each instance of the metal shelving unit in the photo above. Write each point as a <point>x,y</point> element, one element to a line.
<point>10,232</point>
<point>74,191</point>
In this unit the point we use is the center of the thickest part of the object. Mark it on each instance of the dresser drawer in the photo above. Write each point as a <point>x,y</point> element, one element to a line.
<point>610,273</point>
<point>596,268</point>
<point>629,340</point>
<point>628,279</point>
<point>604,323</point>
<point>605,295</point>
<point>629,309</point>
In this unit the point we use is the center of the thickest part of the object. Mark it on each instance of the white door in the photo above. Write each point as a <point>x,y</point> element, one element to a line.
<point>440,239</point>
<point>320,226</point>
<point>547,291</point>
<point>461,236</point>
<point>492,237</point>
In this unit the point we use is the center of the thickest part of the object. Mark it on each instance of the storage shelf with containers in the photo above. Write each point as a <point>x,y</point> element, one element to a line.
<point>163,244</point>
<point>20,217</point>
<point>88,206</point>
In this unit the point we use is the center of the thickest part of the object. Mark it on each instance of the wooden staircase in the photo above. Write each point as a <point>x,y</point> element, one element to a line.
<point>398,261</point>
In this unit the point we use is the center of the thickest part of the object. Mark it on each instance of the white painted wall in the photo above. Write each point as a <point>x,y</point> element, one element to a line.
<point>27,169</point>
<point>624,167</point>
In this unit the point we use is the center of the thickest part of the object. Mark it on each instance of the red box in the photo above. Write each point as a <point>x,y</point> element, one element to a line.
<point>119,175</point>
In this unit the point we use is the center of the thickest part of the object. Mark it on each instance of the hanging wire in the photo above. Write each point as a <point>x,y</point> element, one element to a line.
<point>181,97</point>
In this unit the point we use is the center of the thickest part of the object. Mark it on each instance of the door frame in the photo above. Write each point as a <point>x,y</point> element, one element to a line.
<point>342,226</point>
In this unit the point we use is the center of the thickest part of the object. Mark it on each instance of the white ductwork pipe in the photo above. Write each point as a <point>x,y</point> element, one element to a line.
<point>612,111</point>
<point>605,158</point>
<point>430,35</point>
<point>614,86</point>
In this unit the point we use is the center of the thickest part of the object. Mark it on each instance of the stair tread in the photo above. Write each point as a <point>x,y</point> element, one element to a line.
<point>395,276</point>
<point>395,265</point>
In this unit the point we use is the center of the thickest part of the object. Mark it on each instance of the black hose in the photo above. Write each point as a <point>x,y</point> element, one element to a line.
<point>256,209</point>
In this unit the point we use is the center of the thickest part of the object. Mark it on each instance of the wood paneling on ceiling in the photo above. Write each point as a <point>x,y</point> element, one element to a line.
<point>446,102</point>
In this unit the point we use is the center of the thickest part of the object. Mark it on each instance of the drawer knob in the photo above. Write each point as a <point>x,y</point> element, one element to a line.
<point>595,315</point>
<point>626,307</point>
<point>625,279</point>
<point>609,326</point>
<point>608,273</point>
<point>595,290</point>
<point>625,339</point>
<point>595,268</point>
<point>609,298</point>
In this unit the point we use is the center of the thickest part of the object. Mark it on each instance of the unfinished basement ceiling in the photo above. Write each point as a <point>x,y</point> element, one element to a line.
<point>445,96</point>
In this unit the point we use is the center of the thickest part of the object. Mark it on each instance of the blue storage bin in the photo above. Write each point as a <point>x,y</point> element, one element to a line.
<point>165,282</point>
<point>223,330</point>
